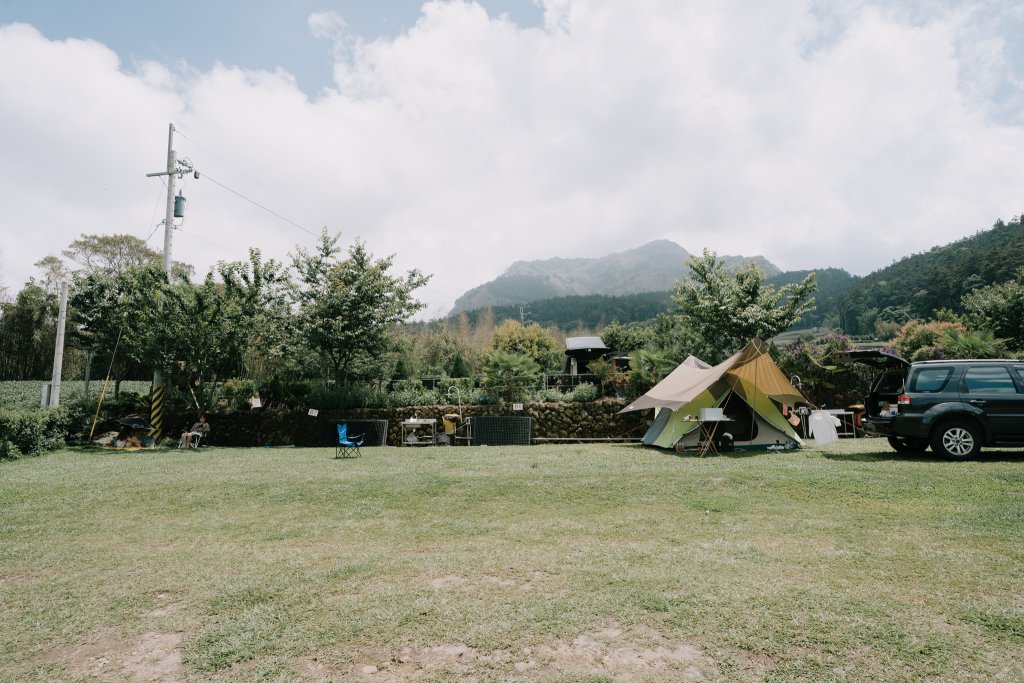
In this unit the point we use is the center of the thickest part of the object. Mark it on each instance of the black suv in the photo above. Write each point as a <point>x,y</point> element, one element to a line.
<point>955,406</point>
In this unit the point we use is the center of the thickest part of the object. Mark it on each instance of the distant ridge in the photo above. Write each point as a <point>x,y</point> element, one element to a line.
<point>653,267</point>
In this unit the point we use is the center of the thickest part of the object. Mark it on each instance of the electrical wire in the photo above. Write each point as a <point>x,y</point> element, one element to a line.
<point>152,219</point>
<point>256,203</point>
<point>207,176</point>
<point>255,180</point>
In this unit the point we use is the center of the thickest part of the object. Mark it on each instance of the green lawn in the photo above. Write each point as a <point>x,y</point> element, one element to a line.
<point>553,563</point>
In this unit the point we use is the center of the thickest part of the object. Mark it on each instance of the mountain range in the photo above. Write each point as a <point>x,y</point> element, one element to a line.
<point>636,285</point>
<point>653,267</point>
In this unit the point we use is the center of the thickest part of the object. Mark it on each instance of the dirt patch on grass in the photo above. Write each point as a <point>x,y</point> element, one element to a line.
<point>154,657</point>
<point>167,607</point>
<point>459,582</point>
<point>634,654</point>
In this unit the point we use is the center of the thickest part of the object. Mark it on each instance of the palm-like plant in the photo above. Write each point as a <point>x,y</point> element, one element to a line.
<point>508,375</point>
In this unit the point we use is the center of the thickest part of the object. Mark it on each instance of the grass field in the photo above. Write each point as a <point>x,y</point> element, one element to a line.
<point>567,563</point>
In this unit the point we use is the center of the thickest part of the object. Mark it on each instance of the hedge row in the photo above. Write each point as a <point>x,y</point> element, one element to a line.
<point>30,432</point>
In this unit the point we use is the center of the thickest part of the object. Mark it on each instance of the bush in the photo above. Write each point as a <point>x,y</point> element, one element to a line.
<point>30,432</point>
<point>236,393</point>
<point>584,393</point>
<point>550,396</point>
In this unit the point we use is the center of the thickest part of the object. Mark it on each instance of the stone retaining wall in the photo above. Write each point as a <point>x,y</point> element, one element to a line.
<point>551,421</point>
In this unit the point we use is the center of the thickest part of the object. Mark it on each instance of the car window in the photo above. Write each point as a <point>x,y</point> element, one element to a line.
<point>989,379</point>
<point>930,379</point>
<point>1020,373</point>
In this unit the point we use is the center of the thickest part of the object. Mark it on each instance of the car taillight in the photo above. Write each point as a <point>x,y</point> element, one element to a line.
<point>903,400</point>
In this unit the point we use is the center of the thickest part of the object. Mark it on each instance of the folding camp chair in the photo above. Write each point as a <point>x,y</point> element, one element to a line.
<point>347,446</point>
<point>193,442</point>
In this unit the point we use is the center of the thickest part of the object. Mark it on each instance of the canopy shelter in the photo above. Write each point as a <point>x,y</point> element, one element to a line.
<point>748,386</point>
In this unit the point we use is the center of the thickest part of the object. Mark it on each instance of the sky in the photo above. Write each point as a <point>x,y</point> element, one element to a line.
<point>462,136</point>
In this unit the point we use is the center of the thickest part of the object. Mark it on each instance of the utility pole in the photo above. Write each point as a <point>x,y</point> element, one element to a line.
<point>58,351</point>
<point>156,404</point>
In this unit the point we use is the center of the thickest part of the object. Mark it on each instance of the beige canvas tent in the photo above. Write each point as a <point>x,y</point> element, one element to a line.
<point>749,387</point>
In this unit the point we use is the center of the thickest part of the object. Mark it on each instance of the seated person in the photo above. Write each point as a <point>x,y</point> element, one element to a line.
<point>127,439</point>
<point>200,428</point>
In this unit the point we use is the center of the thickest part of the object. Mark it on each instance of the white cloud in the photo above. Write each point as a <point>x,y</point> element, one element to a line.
<point>848,139</point>
<point>326,24</point>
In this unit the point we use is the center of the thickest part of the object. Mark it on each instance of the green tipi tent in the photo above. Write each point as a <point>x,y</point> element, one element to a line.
<point>748,387</point>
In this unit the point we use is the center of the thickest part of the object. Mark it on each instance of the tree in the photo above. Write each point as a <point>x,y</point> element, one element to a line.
<point>1000,308</point>
<point>119,310</point>
<point>509,375</point>
<point>726,310</point>
<point>532,341</point>
<point>346,306</point>
<point>53,272</point>
<point>27,331</point>
<point>626,338</point>
<point>444,353</point>
<point>256,294</point>
<point>112,253</point>
<point>116,254</point>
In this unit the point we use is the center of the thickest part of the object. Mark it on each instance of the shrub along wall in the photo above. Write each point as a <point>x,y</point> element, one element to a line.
<point>597,420</point>
<point>30,432</point>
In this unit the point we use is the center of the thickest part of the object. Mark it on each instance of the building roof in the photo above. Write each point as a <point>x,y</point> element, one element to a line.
<point>584,344</point>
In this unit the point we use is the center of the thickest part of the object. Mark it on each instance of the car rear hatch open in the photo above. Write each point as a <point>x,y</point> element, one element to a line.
<point>882,402</point>
<point>876,358</point>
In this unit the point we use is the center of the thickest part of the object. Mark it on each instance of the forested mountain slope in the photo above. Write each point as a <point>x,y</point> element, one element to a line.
<point>918,285</point>
<point>653,267</point>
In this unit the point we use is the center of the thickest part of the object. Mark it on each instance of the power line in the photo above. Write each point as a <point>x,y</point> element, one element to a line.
<point>156,206</point>
<point>256,203</point>
<point>255,180</point>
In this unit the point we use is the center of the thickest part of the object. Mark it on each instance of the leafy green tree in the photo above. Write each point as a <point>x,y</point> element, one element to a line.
<point>922,341</point>
<point>530,340</point>
<point>27,332</point>
<point>726,310</point>
<point>52,273</point>
<point>119,311</point>
<point>1000,308</point>
<point>347,306</point>
<point>445,354</point>
<point>115,254</point>
<point>626,338</point>
<point>257,306</point>
<point>509,375</point>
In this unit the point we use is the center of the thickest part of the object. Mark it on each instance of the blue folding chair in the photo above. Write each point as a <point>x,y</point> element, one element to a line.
<point>347,446</point>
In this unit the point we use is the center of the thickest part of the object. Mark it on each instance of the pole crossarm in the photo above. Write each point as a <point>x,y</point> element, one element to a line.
<point>184,166</point>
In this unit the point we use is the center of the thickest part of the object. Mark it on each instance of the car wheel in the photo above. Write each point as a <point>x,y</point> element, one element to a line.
<point>904,445</point>
<point>957,439</point>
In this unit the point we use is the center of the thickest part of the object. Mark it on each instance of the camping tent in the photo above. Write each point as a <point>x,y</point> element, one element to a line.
<point>749,387</point>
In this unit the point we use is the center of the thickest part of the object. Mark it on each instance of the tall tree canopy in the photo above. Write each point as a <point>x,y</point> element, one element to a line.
<point>999,308</point>
<point>530,340</point>
<point>720,311</point>
<point>347,305</point>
